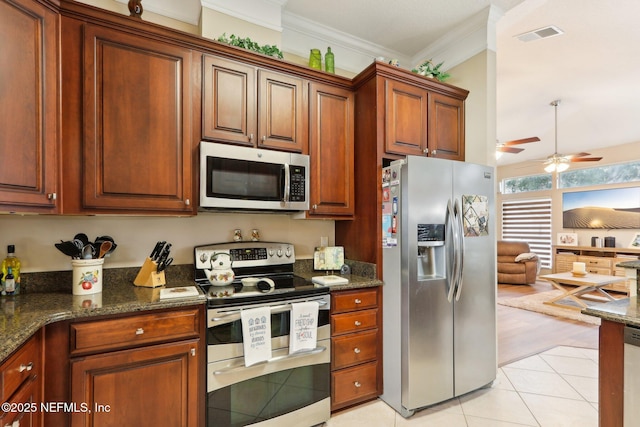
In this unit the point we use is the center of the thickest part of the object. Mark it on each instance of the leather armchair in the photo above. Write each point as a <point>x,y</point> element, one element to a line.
<point>521,272</point>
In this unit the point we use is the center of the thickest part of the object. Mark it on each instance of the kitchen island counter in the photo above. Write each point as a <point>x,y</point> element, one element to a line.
<point>625,310</point>
<point>22,315</point>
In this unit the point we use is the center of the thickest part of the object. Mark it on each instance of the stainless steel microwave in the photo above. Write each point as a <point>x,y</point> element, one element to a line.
<point>244,178</point>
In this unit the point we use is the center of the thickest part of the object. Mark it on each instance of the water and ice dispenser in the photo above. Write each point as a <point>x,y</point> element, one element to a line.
<point>431,251</point>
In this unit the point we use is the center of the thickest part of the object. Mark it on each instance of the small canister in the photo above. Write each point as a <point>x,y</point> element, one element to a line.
<point>609,242</point>
<point>87,276</point>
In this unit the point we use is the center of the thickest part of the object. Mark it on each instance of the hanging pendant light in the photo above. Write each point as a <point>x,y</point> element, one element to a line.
<point>556,163</point>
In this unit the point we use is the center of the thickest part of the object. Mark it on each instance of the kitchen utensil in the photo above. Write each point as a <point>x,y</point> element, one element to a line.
<point>155,253</point>
<point>83,238</point>
<point>88,251</point>
<point>68,248</point>
<point>164,253</point>
<point>164,264</point>
<point>105,246</point>
<point>110,239</point>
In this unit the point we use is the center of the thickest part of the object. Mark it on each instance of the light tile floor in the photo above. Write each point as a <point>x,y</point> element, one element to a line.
<point>555,388</point>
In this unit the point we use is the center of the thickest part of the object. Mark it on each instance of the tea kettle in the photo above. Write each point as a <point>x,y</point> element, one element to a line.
<point>221,273</point>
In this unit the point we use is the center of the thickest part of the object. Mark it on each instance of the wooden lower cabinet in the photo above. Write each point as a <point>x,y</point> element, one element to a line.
<point>356,347</point>
<point>151,386</point>
<point>611,374</point>
<point>21,382</point>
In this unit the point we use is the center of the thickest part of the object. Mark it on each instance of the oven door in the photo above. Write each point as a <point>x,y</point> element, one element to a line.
<point>279,392</point>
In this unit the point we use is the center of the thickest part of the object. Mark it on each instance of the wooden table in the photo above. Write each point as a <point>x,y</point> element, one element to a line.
<point>580,285</point>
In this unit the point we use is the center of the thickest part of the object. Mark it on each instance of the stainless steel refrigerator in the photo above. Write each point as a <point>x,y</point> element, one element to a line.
<point>439,270</point>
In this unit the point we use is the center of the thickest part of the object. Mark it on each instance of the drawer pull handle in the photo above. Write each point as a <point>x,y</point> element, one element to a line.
<point>357,384</point>
<point>358,301</point>
<point>193,351</point>
<point>357,323</point>
<point>356,350</point>
<point>139,331</point>
<point>27,367</point>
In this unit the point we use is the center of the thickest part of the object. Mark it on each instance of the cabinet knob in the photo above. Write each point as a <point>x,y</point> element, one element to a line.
<point>357,323</point>
<point>356,350</point>
<point>52,196</point>
<point>314,207</point>
<point>251,137</point>
<point>193,351</point>
<point>27,367</point>
<point>425,151</point>
<point>139,331</point>
<point>264,137</point>
<point>357,384</point>
<point>358,301</point>
<point>187,202</point>
<point>434,152</point>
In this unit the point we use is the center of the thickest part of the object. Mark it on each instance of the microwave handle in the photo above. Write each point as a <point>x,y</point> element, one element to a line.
<point>287,183</point>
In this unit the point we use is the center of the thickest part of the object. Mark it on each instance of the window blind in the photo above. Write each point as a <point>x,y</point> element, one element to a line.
<point>529,221</point>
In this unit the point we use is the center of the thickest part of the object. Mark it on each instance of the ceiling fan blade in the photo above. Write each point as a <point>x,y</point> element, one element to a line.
<point>574,155</point>
<point>585,159</point>
<point>509,150</point>
<point>521,141</point>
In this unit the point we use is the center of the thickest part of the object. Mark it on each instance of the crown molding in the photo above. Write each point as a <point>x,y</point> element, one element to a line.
<point>471,37</point>
<point>354,53</point>
<point>265,13</point>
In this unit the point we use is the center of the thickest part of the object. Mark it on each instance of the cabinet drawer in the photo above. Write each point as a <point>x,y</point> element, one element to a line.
<point>354,321</point>
<point>354,384</point>
<point>110,334</point>
<point>354,300</point>
<point>352,349</point>
<point>24,364</point>
<point>595,261</point>
<point>599,270</point>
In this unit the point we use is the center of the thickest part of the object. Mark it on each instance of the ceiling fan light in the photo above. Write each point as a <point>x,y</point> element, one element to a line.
<point>562,166</point>
<point>550,167</point>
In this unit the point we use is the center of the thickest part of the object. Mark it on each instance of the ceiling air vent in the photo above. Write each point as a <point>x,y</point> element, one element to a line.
<point>540,33</point>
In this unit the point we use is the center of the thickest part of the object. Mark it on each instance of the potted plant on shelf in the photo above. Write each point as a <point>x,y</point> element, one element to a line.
<point>428,69</point>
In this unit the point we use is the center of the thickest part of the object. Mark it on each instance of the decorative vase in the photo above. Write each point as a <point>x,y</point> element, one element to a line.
<point>329,61</point>
<point>315,59</point>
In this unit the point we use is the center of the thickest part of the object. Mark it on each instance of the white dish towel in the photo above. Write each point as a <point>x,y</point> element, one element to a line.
<point>303,333</point>
<point>256,335</point>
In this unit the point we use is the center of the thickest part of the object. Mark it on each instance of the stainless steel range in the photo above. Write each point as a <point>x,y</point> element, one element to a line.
<point>288,389</point>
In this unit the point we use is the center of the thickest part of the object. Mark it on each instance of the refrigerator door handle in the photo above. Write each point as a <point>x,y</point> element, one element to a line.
<point>452,267</point>
<point>460,247</point>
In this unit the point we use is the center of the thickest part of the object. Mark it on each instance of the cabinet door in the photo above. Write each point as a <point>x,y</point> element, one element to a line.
<point>446,127</point>
<point>405,119</point>
<point>151,386</point>
<point>331,147</point>
<point>229,101</point>
<point>282,113</point>
<point>28,106</point>
<point>137,123</point>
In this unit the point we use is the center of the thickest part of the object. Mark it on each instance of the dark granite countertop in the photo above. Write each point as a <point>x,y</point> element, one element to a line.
<point>49,299</point>
<point>630,264</point>
<point>625,310</point>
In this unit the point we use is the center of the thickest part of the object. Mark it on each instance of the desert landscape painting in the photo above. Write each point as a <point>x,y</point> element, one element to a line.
<point>606,209</point>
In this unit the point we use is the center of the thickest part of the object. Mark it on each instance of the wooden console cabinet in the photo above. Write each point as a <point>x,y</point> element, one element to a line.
<point>597,260</point>
<point>356,361</point>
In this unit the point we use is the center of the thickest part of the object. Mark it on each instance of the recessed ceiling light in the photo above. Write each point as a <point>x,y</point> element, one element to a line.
<point>540,33</point>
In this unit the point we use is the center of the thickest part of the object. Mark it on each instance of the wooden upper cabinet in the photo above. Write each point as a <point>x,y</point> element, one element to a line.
<point>331,149</point>
<point>446,127</point>
<point>28,107</point>
<point>137,150</point>
<point>229,100</point>
<point>253,107</point>
<point>406,112</point>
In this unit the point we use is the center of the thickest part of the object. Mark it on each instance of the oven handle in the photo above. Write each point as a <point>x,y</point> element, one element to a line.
<point>274,309</point>
<point>231,369</point>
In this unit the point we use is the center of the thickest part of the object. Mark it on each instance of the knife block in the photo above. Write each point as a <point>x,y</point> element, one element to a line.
<point>148,276</point>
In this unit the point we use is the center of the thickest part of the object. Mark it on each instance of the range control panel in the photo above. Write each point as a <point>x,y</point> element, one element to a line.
<point>246,254</point>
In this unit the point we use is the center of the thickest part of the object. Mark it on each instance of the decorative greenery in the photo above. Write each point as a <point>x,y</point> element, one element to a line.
<point>247,43</point>
<point>428,69</point>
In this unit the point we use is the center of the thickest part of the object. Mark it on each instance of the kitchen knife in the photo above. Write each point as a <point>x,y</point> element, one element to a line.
<point>155,253</point>
<point>164,264</point>
<point>164,254</point>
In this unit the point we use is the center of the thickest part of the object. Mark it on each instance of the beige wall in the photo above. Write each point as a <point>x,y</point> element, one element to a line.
<point>477,75</point>
<point>35,235</point>
<point>620,154</point>
<point>213,24</point>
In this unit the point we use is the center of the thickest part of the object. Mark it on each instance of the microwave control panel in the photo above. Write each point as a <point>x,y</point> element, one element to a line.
<point>296,175</point>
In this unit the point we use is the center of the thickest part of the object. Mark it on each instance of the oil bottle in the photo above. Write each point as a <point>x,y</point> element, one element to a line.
<point>11,272</point>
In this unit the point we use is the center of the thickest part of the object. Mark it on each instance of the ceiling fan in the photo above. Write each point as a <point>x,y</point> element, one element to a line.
<point>560,162</point>
<point>508,146</point>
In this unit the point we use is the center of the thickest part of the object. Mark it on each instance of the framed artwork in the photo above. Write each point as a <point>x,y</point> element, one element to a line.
<point>603,209</point>
<point>567,239</point>
<point>635,242</point>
